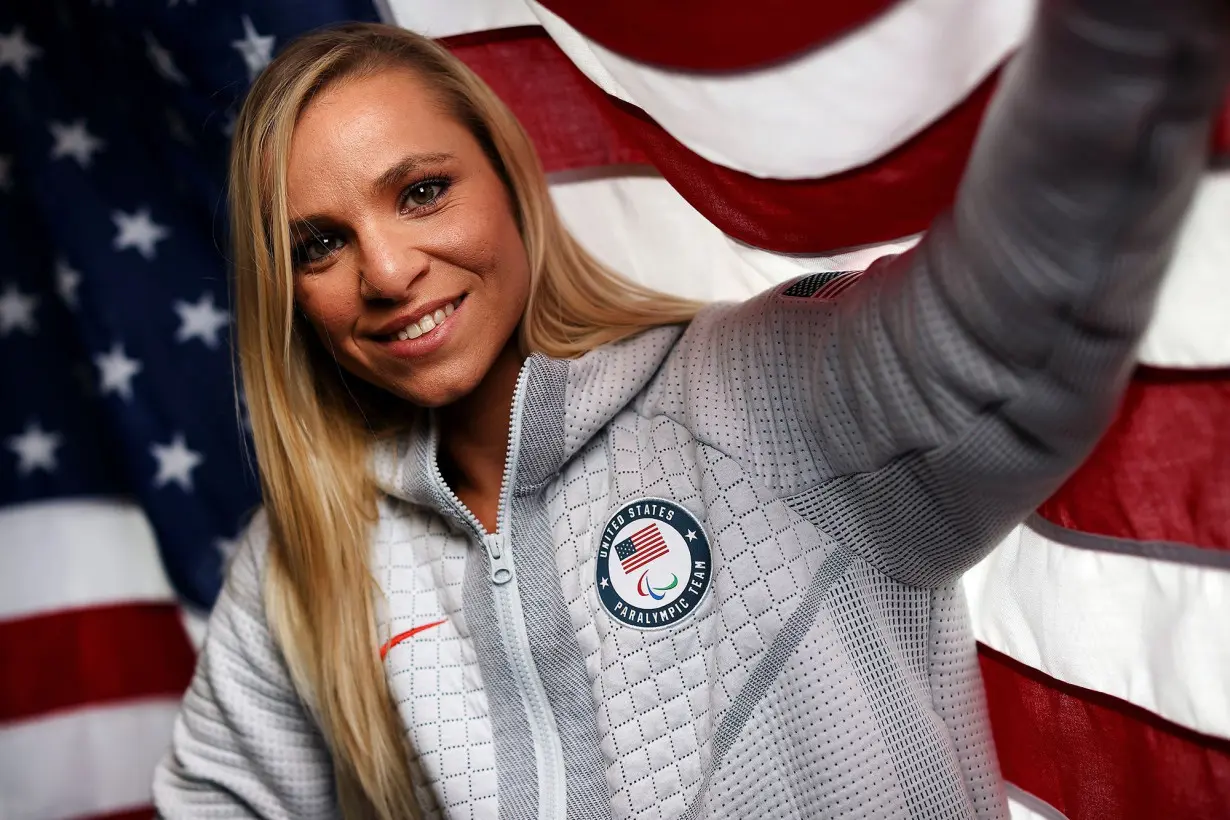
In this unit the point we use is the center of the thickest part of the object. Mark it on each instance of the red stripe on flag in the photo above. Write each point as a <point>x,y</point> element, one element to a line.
<point>552,99</point>
<point>1093,756</point>
<point>574,124</point>
<point>643,558</point>
<point>894,196</point>
<point>1162,471</point>
<point>710,35</point>
<point>645,534</point>
<point>92,655</point>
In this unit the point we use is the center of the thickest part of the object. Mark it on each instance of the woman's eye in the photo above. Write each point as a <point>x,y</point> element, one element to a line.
<point>317,248</point>
<point>424,193</point>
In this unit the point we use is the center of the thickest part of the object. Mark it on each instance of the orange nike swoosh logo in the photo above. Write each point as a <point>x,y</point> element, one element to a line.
<point>409,633</point>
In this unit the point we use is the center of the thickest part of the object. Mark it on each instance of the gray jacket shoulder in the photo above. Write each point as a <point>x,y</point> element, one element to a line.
<point>243,743</point>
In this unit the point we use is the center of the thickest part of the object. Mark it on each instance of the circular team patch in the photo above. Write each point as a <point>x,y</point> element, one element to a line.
<point>654,564</point>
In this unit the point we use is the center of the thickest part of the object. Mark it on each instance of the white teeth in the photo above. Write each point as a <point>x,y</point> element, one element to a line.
<point>429,322</point>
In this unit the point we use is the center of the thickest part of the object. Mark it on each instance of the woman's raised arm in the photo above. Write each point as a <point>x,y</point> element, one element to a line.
<point>951,389</point>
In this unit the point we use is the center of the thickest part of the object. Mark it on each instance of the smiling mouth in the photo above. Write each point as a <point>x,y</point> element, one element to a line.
<point>426,323</point>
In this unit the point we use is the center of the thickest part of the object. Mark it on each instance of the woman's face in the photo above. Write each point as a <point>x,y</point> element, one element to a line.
<point>408,261</point>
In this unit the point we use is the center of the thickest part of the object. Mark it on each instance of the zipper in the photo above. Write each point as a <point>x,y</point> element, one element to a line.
<point>499,560</point>
<point>548,751</point>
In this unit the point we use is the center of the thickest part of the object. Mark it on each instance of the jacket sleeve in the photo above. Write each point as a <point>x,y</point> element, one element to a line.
<point>243,744</point>
<point>951,389</point>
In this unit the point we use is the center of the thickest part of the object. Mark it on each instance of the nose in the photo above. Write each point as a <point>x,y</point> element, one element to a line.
<point>388,265</point>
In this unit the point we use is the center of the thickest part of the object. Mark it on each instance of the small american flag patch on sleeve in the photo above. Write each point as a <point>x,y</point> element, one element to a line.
<point>823,286</point>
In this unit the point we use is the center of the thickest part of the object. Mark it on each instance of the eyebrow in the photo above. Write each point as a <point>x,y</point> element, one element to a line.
<point>308,226</point>
<point>393,176</point>
<point>408,165</point>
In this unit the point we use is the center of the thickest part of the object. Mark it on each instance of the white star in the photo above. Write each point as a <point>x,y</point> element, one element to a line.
<point>67,281</point>
<point>200,321</point>
<point>137,230</point>
<point>604,584</point>
<point>175,463</point>
<point>116,370</point>
<point>35,449</point>
<point>691,535</point>
<point>17,311</point>
<point>74,141</point>
<point>6,173</point>
<point>16,51</point>
<point>161,58</point>
<point>256,50</point>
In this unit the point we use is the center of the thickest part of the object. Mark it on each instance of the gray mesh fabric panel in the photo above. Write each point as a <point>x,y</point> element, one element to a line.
<point>553,645</point>
<point>602,382</point>
<point>882,623</point>
<point>516,769</point>
<point>764,676</point>
<point>959,699</point>
<point>812,748</point>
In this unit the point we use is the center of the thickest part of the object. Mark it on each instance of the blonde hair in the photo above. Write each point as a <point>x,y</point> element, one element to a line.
<point>313,428</point>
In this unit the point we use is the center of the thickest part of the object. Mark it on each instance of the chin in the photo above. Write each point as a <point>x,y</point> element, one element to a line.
<point>433,393</point>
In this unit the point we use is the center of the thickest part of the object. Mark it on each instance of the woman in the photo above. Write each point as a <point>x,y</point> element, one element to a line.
<point>540,543</point>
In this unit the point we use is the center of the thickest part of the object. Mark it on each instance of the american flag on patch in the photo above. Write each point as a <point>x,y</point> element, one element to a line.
<point>644,547</point>
<point>826,285</point>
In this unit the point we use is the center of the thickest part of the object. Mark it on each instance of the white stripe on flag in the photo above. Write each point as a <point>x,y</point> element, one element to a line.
<point>639,225</point>
<point>1191,327</point>
<point>64,554</point>
<point>809,116</point>
<point>1150,632</point>
<point>85,762</point>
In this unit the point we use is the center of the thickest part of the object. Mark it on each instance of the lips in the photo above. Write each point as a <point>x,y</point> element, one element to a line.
<point>422,320</point>
<point>418,334</point>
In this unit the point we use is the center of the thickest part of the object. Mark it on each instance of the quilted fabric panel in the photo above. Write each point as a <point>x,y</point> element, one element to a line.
<point>434,675</point>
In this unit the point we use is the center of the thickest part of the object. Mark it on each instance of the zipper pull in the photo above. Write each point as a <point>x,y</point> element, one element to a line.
<point>499,559</point>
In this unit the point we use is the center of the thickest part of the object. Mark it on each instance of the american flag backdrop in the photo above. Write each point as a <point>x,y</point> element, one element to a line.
<point>709,147</point>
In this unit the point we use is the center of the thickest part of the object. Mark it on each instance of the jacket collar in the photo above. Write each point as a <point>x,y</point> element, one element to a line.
<point>565,403</point>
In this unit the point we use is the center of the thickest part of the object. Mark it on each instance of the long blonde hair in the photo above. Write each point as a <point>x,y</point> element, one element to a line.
<point>313,434</point>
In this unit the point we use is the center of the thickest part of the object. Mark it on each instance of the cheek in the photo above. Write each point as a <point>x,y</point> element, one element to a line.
<point>485,239</point>
<point>504,254</point>
<point>325,306</point>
